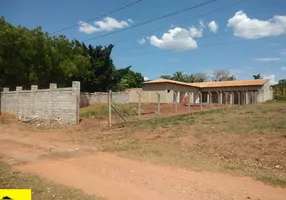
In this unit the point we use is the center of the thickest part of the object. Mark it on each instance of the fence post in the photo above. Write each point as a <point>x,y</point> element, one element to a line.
<point>189,102</point>
<point>0,101</point>
<point>109,108</point>
<point>139,105</point>
<point>34,88</point>
<point>201,101</point>
<point>18,90</point>
<point>176,102</point>
<point>158,104</point>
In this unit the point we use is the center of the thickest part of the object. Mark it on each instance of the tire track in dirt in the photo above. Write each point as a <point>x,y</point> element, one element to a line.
<point>20,150</point>
<point>115,178</point>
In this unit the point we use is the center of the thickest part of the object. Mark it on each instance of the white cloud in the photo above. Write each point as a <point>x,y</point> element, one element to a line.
<point>213,26</point>
<point>272,78</point>
<point>266,59</point>
<point>146,78</point>
<point>107,24</point>
<point>86,27</point>
<point>248,28</point>
<point>177,39</point>
<point>283,68</point>
<point>196,33</point>
<point>130,20</point>
<point>142,41</point>
<point>202,24</point>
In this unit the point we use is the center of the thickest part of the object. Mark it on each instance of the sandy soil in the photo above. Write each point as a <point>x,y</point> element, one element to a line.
<point>112,177</point>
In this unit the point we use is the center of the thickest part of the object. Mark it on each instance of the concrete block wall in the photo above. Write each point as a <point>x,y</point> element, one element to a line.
<point>151,96</point>
<point>62,103</point>
<point>101,97</point>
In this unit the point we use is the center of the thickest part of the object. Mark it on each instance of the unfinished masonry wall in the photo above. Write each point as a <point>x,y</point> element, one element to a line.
<point>62,103</point>
<point>101,97</point>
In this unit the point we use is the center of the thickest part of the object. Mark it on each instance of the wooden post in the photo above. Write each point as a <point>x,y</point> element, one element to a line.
<point>159,109</point>
<point>139,105</point>
<point>109,108</point>
<point>176,103</point>
<point>189,102</point>
<point>201,100</point>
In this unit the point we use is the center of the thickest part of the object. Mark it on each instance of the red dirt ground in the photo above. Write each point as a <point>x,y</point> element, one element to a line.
<point>118,178</point>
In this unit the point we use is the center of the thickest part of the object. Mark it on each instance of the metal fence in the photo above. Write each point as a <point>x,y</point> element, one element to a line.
<point>127,112</point>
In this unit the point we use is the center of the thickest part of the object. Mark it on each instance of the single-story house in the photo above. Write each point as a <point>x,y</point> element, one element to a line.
<point>230,92</point>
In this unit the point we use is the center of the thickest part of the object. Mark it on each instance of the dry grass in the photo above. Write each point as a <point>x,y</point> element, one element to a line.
<point>247,140</point>
<point>101,110</point>
<point>42,190</point>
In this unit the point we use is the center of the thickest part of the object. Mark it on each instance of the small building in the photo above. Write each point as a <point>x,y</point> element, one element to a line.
<point>229,92</point>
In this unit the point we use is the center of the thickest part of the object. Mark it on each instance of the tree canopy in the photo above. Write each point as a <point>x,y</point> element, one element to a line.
<point>180,76</point>
<point>223,75</point>
<point>30,56</point>
<point>257,76</point>
<point>280,90</point>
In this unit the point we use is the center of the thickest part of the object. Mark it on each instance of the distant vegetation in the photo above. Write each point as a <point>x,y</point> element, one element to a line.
<point>280,90</point>
<point>218,75</point>
<point>30,56</point>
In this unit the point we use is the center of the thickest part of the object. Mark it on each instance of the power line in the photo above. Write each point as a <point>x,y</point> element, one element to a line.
<point>152,20</point>
<point>204,46</point>
<point>98,17</point>
<point>186,20</point>
<point>223,34</point>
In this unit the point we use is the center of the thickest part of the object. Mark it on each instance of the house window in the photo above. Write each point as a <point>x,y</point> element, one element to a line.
<point>168,91</point>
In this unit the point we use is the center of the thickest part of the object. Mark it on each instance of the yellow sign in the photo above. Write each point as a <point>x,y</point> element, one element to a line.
<point>16,194</point>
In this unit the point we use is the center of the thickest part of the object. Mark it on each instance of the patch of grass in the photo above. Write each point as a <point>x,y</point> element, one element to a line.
<point>94,112</point>
<point>101,111</point>
<point>275,101</point>
<point>240,140</point>
<point>271,180</point>
<point>176,120</point>
<point>41,189</point>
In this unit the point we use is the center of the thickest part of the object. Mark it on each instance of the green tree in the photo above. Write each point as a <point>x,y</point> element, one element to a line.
<point>280,90</point>
<point>129,79</point>
<point>30,56</point>
<point>257,76</point>
<point>180,76</point>
<point>166,77</point>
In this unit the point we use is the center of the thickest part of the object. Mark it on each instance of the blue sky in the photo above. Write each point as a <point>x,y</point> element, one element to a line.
<point>246,38</point>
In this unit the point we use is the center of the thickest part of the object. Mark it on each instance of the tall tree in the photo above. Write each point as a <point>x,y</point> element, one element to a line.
<point>128,79</point>
<point>30,56</point>
<point>257,76</point>
<point>166,77</point>
<point>199,77</point>
<point>180,76</point>
<point>223,75</point>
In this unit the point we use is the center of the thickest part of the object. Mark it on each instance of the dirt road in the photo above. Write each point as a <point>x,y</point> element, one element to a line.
<point>118,178</point>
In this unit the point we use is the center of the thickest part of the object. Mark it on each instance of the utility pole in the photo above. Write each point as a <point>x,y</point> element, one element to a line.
<point>0,100</point>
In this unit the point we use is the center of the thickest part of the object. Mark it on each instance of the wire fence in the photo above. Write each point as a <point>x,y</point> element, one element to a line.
<point>128,112</point>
